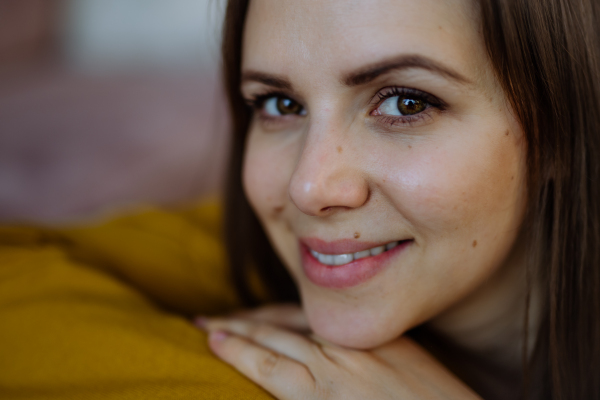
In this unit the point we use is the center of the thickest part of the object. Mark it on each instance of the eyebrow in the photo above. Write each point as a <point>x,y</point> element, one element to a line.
<point>275,81</point>
<point>371,72</point>
<point>366,74</point>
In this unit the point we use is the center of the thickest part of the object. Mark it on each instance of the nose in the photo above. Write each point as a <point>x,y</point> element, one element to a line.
<point>327,177</point>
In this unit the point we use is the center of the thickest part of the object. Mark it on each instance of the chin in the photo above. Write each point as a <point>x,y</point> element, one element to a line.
<point>351,328</point>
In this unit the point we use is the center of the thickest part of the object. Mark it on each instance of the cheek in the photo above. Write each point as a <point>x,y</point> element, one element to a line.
<point>445,189</point>
<point>266,173</point>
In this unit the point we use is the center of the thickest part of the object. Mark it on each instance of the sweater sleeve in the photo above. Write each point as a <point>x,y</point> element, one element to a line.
<point>72,330</point>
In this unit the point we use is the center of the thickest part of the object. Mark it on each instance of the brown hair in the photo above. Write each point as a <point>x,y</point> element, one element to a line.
<point>546,55</point>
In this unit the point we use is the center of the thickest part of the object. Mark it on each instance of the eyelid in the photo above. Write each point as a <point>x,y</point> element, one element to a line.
<point>258,105</point>
<point>388,121</point>
<point>393,91</point>
<point>257,100</point>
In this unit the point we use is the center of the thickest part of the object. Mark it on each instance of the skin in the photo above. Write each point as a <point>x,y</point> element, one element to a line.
<point>451,179</point>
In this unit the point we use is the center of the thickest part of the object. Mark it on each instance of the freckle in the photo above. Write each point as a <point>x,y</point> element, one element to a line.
<point>512,178</point>
<point>474,243</point>
<point>409,146</point>
<point>339,149</point>
<point>356,235</point>
<point>506,134</point>
<point>278,209</point>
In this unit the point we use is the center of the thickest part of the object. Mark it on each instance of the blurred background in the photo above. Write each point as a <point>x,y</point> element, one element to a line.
<point>108,104</point>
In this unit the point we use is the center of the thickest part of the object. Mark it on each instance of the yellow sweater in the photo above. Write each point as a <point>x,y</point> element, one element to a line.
<point>103,312</point>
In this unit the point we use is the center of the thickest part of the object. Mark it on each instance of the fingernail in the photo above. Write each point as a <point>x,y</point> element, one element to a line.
<point>201,322</point>
<point>218,336</point>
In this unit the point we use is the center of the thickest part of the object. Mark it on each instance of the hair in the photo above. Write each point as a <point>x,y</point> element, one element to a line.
<point>546,56</point>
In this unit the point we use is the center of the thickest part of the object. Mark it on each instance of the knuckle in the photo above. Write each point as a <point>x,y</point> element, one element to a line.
<point>268,365</point>
<point>328,353</point>
<point>344,358</point>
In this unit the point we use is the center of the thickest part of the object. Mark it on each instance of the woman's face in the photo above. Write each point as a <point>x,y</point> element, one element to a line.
<point>382,160</point>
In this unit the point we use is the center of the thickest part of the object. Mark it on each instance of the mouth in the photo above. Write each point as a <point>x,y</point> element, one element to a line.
<point>344,264</point>
<point>342,259</point>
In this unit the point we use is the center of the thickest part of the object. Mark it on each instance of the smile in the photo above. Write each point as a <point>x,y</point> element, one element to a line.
<point>341,259</point>
<point>345,263</point>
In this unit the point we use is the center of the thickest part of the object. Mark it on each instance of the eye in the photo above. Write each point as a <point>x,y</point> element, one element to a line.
<point>402,105</point>
<point>278,105</point>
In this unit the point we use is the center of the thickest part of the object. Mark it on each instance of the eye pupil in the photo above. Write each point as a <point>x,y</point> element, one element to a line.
<point>410,106</point>
<point>288,106</point>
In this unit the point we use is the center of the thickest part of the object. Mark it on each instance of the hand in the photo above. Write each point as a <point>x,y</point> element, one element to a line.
<point>292,365</point>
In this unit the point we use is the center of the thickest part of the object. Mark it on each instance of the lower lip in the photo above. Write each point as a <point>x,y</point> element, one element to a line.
<point>347,275</point>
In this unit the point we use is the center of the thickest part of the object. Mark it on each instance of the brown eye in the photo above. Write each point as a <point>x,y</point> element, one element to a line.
<point>398,102</point>
<point>410,106</point>
<point>276,106</point>
<point>287,106</point>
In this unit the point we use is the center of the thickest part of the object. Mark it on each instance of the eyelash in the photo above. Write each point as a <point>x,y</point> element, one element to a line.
<point>395,91</point>
<point>257,103</point>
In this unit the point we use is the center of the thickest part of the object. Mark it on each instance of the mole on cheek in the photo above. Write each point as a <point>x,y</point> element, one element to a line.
<point>339,149</point>
<point>356,235</point>
<point>474,243</point>
<point>506,133</point>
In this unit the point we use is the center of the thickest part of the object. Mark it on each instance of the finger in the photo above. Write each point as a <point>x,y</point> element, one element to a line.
<point>290,344</point>
<point>288,316</point>
<point>348,358</point>
<point>281,376</point>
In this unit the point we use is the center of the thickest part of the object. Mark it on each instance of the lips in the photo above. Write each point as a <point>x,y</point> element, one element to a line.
<point>341,259</point>
<point>350,273</point>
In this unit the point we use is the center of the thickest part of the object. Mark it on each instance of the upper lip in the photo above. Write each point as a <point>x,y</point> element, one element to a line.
<point>342,246</point>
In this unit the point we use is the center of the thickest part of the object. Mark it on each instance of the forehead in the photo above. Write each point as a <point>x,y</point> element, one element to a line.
<point>298,38</point>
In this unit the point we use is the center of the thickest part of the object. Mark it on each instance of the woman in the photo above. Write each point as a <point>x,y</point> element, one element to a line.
<point>423,169</point>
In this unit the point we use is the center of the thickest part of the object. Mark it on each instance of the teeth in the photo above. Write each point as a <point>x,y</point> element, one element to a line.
<point>326,259</point>
<point>390,246</point>
<point>375,251</point>
<point>341,259</point>
<point>362,254</point>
